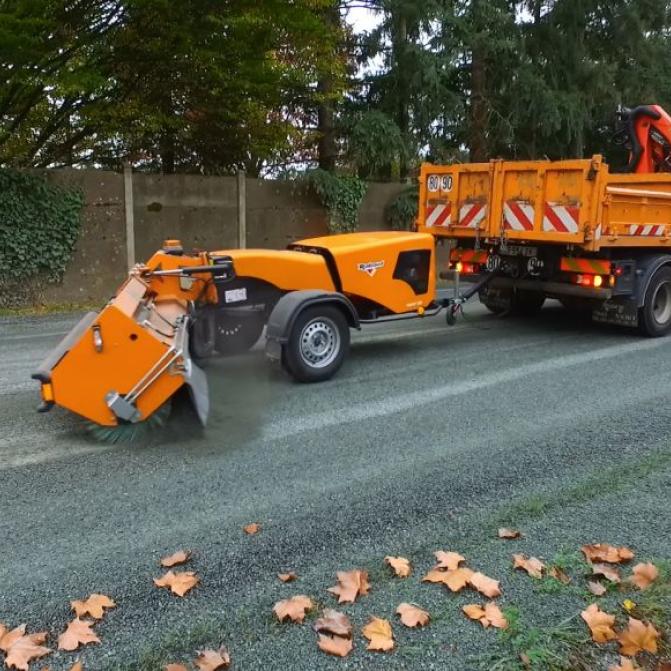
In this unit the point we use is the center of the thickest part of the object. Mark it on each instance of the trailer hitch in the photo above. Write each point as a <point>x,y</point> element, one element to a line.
<point>454,304</point>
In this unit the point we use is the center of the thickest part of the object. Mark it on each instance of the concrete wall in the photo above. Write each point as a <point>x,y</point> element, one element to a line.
<point>200,211</point>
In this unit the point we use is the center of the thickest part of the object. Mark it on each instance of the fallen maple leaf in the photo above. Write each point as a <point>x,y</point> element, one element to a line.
<point>213,660</point>
<point>350,585</point>
<point>333,622</point>
<point>293,608</point>
<point>489,616</point>
<point>251,529</point>
<point>509,534</point>
<point>379,634</point>
<point>487,586</point>
<point>624,665</point>
<point>602,552</point>
<point>94,606</point>
<point>638,637</point>
<point>448,560</point>
<point>400,565</point>
<point>413,616</point>
<point>611,573</point>
<point>77,633</point>
<point>600,624</point>
<point>178,583</point>
<point>175,559</point>
<point>77,666</point>
<point>9,637</point>
<point>644,575</point>
<point>596,588</point>
<point>532,565</point>
<point>25,649</point>
<point>175,667</point>
<point>287,577</point>
<point>335,645</point>
<point>455,580</point>
<point>559,574</point>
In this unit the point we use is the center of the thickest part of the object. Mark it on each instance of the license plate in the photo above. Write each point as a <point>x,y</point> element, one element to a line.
<point>519,250</point>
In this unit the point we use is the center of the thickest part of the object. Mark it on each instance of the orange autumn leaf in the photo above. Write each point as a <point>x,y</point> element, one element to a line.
<point>24,650</point>
<point>448,560</point>
<point>351,584</point>
<point>611,573</point>
<point>379,634</point>
<point>293,608</point>
<point>400,565</point>
<point>602,552</point>
<point>251,529</point>
<point>455,580</point>
<point>9,637</point>
<point>287,577</point>
<point>335,645</point>
<point>596,588</point>
<point>413,616</point>
<point>77,666</point>
<point>213,660</point>
<point>94,606</point>
<point>643,575</point>
<point>333,622</point>
<point>509,534</point>
<point>600,624</point>
<point>175,667</point>
<point>175,559</point>
<point>487,586</point>
<point>624,665</point>
<point>532,565</point>
<point>559,575</point>
<point>178,583</point>
<point>638,637</point>
<point>78,633</point>
<point>489,616</point>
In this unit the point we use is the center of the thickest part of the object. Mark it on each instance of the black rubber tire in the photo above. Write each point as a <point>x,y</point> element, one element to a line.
<point>202,336</point>
<point>496,308</point>
<point>236,336</point>
<point>650,321</point>
<point>293,360</point>
<point>527,303</point>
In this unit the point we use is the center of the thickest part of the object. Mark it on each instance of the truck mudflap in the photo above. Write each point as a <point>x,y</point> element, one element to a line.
<point>621,312</point>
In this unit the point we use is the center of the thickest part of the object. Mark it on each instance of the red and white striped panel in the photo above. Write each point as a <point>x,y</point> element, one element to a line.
<point>518,215</point>
<point>649,231</point>
<point>471,215</point>
<point>559,218</point>
<point>438,214</point>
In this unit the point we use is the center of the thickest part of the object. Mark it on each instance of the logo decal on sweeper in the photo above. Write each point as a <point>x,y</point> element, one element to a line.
<point>371,268</point>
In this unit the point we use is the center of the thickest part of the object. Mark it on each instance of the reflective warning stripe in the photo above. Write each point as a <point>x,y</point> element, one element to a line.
<point>649,231</point>
<point>518,215</point>
<point>558,218</point>
<point>472,214</point>
<point>438,214</point>
<point>469,256</point>
<point>591,266</point>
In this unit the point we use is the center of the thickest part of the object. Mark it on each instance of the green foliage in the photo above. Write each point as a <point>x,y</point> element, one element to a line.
<point>341,195</point>
<point>38,228</point>
<point>403,210</point>
<point>376,145</point>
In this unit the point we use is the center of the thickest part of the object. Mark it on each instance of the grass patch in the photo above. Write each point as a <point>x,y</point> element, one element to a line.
<point>53,308</point>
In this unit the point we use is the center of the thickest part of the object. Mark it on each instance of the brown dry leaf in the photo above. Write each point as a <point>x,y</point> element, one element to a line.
<point>350,585</point>
<point>334,622</point>
<point>532,565</point>
<point>624,665</point>
<point>638,637</point>
<point>293,608</point>
<point>287,577</point>
<point>25,649</point>
<point>178,583</point>
<point>644,575</point>
<point>176,667</point>
<point>400,565</point>
<point>78,633</point>
<point>599,623</point>
<point>559,574</point>
<point>175,559</point>
<point>77,666</point>
<point>413,616</point>
<point>378,631</point>
<point>489,616</point>
<point>596,588</point>
<point>664,666</point>
<point>487,586</point>
<point>9,637</point>
<point>448,560</point>
<point>509,534</point>
<point>455,580</point>
<point>611,573</point>
<point>213,660</point>
<point>251,529</point>
<point>602,552</point>
<point>94,606</point>
<point>335,645</point>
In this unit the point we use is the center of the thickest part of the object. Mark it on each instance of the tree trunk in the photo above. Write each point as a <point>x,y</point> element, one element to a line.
<point>478,128</point>
<point>403,115</point>
<point>327,146</point>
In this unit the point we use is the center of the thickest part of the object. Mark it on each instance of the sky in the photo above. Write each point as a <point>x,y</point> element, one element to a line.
<point>362,19</point>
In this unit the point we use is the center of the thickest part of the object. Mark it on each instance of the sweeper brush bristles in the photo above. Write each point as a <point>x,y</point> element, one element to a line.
<point>128,434</point>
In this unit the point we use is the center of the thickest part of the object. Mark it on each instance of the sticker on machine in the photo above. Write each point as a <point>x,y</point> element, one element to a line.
<point>236,295</point>
<point>371,268</point>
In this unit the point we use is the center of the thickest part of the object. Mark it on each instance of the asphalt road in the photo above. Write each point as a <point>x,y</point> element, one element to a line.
<point>429,438</point>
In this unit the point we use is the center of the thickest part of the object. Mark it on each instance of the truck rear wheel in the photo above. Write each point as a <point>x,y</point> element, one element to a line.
<point>317,345</point>
<point>655,315</point>
<point>519,302</point>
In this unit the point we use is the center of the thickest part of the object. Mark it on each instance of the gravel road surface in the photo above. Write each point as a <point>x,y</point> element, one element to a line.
<point>430,438</point>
